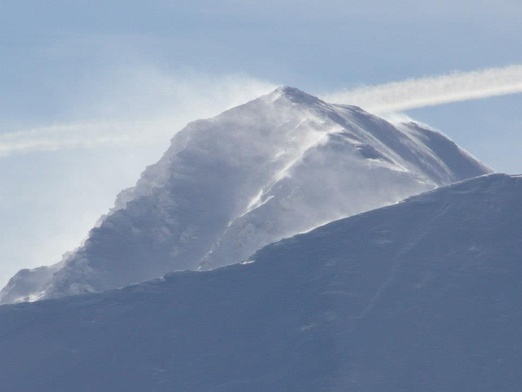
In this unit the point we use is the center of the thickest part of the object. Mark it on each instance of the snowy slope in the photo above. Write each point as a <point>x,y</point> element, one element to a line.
<point>279,165</point>
<point>419,296</point>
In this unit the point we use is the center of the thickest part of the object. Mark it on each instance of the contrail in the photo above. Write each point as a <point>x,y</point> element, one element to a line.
<point>433,90</point>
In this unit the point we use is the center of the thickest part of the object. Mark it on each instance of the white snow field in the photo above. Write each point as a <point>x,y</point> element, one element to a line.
<point>282,164</point>
<point>423,295</point>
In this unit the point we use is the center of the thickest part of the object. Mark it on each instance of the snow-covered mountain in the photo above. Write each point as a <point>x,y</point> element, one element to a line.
<point>279,165</point>
<point>423,295</point>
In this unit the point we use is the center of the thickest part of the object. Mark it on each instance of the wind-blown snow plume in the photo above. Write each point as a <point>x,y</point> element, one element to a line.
<point>143,109</point>
<point>433,90</point>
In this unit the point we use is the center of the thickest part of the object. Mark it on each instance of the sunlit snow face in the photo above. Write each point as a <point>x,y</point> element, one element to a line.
<point>58,179</point>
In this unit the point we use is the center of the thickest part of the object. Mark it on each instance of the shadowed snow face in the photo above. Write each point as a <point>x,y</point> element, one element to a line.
<point>424,294</point>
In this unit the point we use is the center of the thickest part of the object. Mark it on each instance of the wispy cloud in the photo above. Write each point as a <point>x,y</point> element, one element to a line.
<point>151,108</point>
<point>78,135</point>
<point>433,90</point>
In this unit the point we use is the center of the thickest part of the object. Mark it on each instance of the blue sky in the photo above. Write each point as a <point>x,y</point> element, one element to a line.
<point>106,83</point>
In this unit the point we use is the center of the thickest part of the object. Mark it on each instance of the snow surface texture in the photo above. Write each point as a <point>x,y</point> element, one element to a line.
<point>423,295</point>
<point>282,164</point>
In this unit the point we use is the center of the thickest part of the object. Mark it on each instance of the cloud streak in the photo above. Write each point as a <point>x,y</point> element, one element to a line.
<point>433,90</point>
<point>70,136</point>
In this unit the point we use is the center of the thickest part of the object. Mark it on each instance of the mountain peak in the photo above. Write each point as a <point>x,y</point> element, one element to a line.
<point>294,94</point>
<point>279,165</point>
